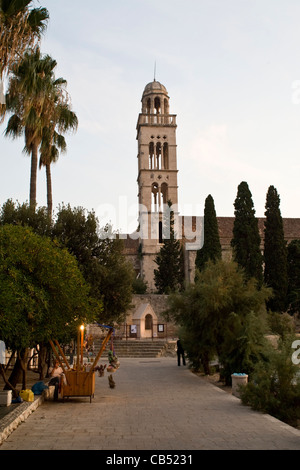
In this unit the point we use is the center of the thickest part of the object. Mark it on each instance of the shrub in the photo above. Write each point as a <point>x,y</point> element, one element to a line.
<point>275,385</point>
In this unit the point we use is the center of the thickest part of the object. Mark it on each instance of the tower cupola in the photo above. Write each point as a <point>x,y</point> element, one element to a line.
<point>155,99</point>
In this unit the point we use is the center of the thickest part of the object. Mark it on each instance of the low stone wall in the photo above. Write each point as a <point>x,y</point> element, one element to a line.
<point>12,420</point>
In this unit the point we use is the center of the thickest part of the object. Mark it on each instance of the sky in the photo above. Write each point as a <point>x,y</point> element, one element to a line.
<point>232,71</point>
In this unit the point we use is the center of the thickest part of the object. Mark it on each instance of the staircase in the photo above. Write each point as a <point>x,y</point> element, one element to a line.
<point>135,348</point>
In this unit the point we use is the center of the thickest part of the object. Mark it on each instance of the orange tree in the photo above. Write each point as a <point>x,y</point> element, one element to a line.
<point>43,294</point>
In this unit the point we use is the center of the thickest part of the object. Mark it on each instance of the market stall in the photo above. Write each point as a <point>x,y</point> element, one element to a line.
<point>78,380</point>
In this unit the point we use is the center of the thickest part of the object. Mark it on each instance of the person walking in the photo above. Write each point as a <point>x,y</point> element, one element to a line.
<point>180,353</point>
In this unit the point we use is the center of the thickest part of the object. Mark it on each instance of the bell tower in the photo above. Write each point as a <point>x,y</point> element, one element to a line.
<point>157,172</point>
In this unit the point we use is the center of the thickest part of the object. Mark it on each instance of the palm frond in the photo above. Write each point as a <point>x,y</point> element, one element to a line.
<point>38,20</point>
<point>14,127</point>
<point>12,7</point>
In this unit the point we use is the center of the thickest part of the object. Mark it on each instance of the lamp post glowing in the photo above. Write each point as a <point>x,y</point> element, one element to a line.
<point>81,345</point>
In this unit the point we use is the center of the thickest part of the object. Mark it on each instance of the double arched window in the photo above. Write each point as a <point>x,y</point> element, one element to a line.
<point>159,197</point>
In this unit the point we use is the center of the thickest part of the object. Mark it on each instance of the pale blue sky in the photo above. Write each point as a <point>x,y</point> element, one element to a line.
<point>229,67</point>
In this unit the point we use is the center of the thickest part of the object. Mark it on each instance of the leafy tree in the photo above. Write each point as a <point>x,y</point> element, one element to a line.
<point>211,249</point>
<point>293,269</point>
<point>21,27</point>
<point>221,315</point>
<point>111,276</point>
<point>246,240</point>
<point>43,294</point>
<point>169,276</point>
<point>275,252</point>
<point>100,255</point>
<point>22,214</point>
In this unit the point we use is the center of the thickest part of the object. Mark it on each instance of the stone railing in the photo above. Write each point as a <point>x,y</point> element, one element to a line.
<point>157,119</point>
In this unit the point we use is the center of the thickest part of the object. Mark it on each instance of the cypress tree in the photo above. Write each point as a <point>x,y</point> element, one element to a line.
<point>211,249</point>
<point>246,239</point>
<point>275,252</point>
<point>169,276</point>
<point>293,262</point>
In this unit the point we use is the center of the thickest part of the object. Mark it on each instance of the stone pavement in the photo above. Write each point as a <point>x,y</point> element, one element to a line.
<point>156,405</point>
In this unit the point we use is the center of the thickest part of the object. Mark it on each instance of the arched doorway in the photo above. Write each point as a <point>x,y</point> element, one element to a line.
<point>146,318</point>
<point>148,326</point>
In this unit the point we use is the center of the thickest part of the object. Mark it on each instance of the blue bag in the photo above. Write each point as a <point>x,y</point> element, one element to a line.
<point>38,388</point>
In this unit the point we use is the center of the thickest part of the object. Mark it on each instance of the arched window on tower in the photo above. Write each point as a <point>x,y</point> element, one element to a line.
<point>166,106</point>
<point>151,155</point>
<point>164,195</point>
<point>157,106</point>
<point>155,198</point>
<point>166,156</point>
<point>160,232</point>
<point>158,156</point>
<point>148,107</point>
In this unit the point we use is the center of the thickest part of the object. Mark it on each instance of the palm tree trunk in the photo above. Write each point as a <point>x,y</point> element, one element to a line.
<point>33,175</point>
<point>49,190</point>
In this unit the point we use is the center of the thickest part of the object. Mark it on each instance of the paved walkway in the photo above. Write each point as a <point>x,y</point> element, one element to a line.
<point>156,405</point>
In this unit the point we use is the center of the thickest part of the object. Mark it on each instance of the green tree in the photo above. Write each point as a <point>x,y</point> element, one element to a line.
<point>23,214</point>
<point>169,276</point>
<point>211,249</point>
<point>222,315</point>
<point>43,294</point>
<point>101,258</point>
<point>293,269</point>
<point>246,240</point>
<point>21,27</point>
<point>275,252</point>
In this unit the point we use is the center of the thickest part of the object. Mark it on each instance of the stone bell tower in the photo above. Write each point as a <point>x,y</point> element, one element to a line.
<point>157,172</point>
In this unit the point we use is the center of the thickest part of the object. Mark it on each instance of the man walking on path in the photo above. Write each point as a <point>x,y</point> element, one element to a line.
<point>180,353</point>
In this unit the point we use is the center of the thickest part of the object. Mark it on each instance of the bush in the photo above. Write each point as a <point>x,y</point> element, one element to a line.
<point>275,385</point>
<point>139,286</point>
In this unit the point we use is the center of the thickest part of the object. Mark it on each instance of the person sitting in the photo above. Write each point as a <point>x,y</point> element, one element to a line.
<point>56,374</point>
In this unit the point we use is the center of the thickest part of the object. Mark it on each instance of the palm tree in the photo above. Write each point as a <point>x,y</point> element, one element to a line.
<point>62,119</point>
<point>30,86</point>
<point>20,28</point>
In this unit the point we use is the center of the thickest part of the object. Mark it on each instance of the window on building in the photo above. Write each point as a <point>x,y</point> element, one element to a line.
<point>166,156</point>
<point>160,232</point>
<point>157,105</point>
<point>158,156</point>
<point>151,155</point>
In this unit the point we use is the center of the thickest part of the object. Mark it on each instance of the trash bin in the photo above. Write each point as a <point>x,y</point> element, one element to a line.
<point>237,381</point>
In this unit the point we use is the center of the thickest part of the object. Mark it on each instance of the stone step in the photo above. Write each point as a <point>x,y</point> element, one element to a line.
<point>134,348</point>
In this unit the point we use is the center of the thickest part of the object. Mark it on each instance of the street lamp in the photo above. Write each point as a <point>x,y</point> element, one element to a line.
<point>81,344</point>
